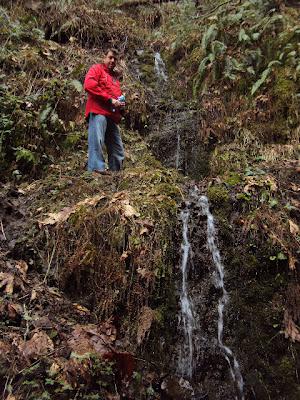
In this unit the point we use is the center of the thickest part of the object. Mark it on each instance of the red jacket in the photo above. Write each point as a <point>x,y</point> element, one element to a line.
<point>101,86</point>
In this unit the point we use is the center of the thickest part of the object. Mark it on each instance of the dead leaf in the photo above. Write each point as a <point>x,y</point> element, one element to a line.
<point>14,310</point>
<point>146,318</point>
<point>39,345</point>
<point>292,262</point>
<point>144,230</point>
<point>54,291</point>
<point>92,339</point>
<point>128,211</point>
<point>63,215</point>
<point>54,369</point>
<point>124,256</point>
<point>295,188</point>
<point>145,273</point>
<point>294,228</point>
<point>33,295</point>
<point>11,397</point>
<point>7,281</point>
<point>22,266</point>
<point>291,329</point>
<point>81,308</point>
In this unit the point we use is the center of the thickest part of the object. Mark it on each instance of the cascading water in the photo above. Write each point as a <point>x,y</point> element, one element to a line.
<point>187,318</point>
<point>177,154</point>
<point>196,344</point>
<point>230,358</point>
<point>160,68</point>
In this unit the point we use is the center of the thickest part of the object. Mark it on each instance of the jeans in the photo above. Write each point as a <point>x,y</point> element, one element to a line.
<point>103,130</point>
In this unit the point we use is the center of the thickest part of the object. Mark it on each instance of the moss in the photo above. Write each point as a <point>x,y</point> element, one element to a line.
<point>218,195</point>
<point>233,179</point>
<point>225,159</point>
<point>284,87</point>
<point>167,190</point>
<point>72,139</point>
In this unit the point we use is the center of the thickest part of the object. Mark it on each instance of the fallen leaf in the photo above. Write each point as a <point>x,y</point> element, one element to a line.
<point>143,231</point>
<point>291,329</point>
<point>63,215</point>
<point>146,318</point>
<point>81,308</point>
<point>7,281</point>
<point>124,256</point>
<point>294,228</point>
<point>295,188</point>
<point>22,266</point>
<point>292,262</point>
<point>33,295</point>
<point>11,397</point>
<point>39,345</point>
<point>14,310</point>
<point>128,211</point>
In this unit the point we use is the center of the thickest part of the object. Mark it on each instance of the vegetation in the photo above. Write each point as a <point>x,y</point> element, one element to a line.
<point>88,265</point>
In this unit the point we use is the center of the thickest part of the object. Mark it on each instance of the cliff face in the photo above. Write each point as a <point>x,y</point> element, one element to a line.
<point>90,277</point>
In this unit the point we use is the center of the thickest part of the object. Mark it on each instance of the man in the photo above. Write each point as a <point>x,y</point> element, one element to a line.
<point>103,113</point>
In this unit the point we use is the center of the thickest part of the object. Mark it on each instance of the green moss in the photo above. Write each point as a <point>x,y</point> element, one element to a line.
<point>284,87</point>
<point>218,194</point>
<point>233,179</point>
<point>167,190</point>
<point>72,139</point>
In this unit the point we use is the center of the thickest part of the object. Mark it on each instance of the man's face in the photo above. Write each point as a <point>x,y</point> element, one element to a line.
<point>110,60</point>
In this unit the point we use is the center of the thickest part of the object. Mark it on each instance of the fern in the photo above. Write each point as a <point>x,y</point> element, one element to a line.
<point>264,76</point>
<point>209,36</point>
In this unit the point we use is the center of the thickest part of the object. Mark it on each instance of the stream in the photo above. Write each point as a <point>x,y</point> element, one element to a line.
<point>195,339</point>
<point>207,368</point>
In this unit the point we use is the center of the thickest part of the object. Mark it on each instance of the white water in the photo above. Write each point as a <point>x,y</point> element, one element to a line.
<point>211,241</point>
<point>160,68</point>
<point>187,318</point>
<point>177,154</point>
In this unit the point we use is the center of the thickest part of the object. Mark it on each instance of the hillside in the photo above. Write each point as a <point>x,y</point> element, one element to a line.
<point>95,270</point>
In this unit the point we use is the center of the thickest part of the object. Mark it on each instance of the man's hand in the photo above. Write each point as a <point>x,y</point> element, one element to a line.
<point>117,103</point>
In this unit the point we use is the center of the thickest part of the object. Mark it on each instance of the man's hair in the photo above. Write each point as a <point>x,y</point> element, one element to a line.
<point>112,50</point>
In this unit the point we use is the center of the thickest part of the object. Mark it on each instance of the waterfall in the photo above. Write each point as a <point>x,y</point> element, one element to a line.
<point>194,343</point>
<point>177,154</point>
<point>160,68</point>
<point>187,317</point>
<point>211,242</point>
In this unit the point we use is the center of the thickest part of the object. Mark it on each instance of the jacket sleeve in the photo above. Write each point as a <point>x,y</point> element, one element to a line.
<point>91,84</point>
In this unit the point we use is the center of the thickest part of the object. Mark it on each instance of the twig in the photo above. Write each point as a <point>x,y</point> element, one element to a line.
<point>2,229</point>
<point>50,259</point>
<point>216,8</point>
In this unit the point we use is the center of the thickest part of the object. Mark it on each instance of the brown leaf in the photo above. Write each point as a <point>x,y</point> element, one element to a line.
<point>11,397</point>
<point>146,318</point>
<point>291,329</point>
<point>7,281</point>
<point>33,295</point>
<point>124,255</point>
<point>127,210</point>
<point>294,228</point>
<point>81,308</point>
<point>63,215</point>
<point>292,262</point>
<point>91,339</point>
<point>39,345</point>
<point>144,231</point>
<point>22,266</point>
<point>14,309</point>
